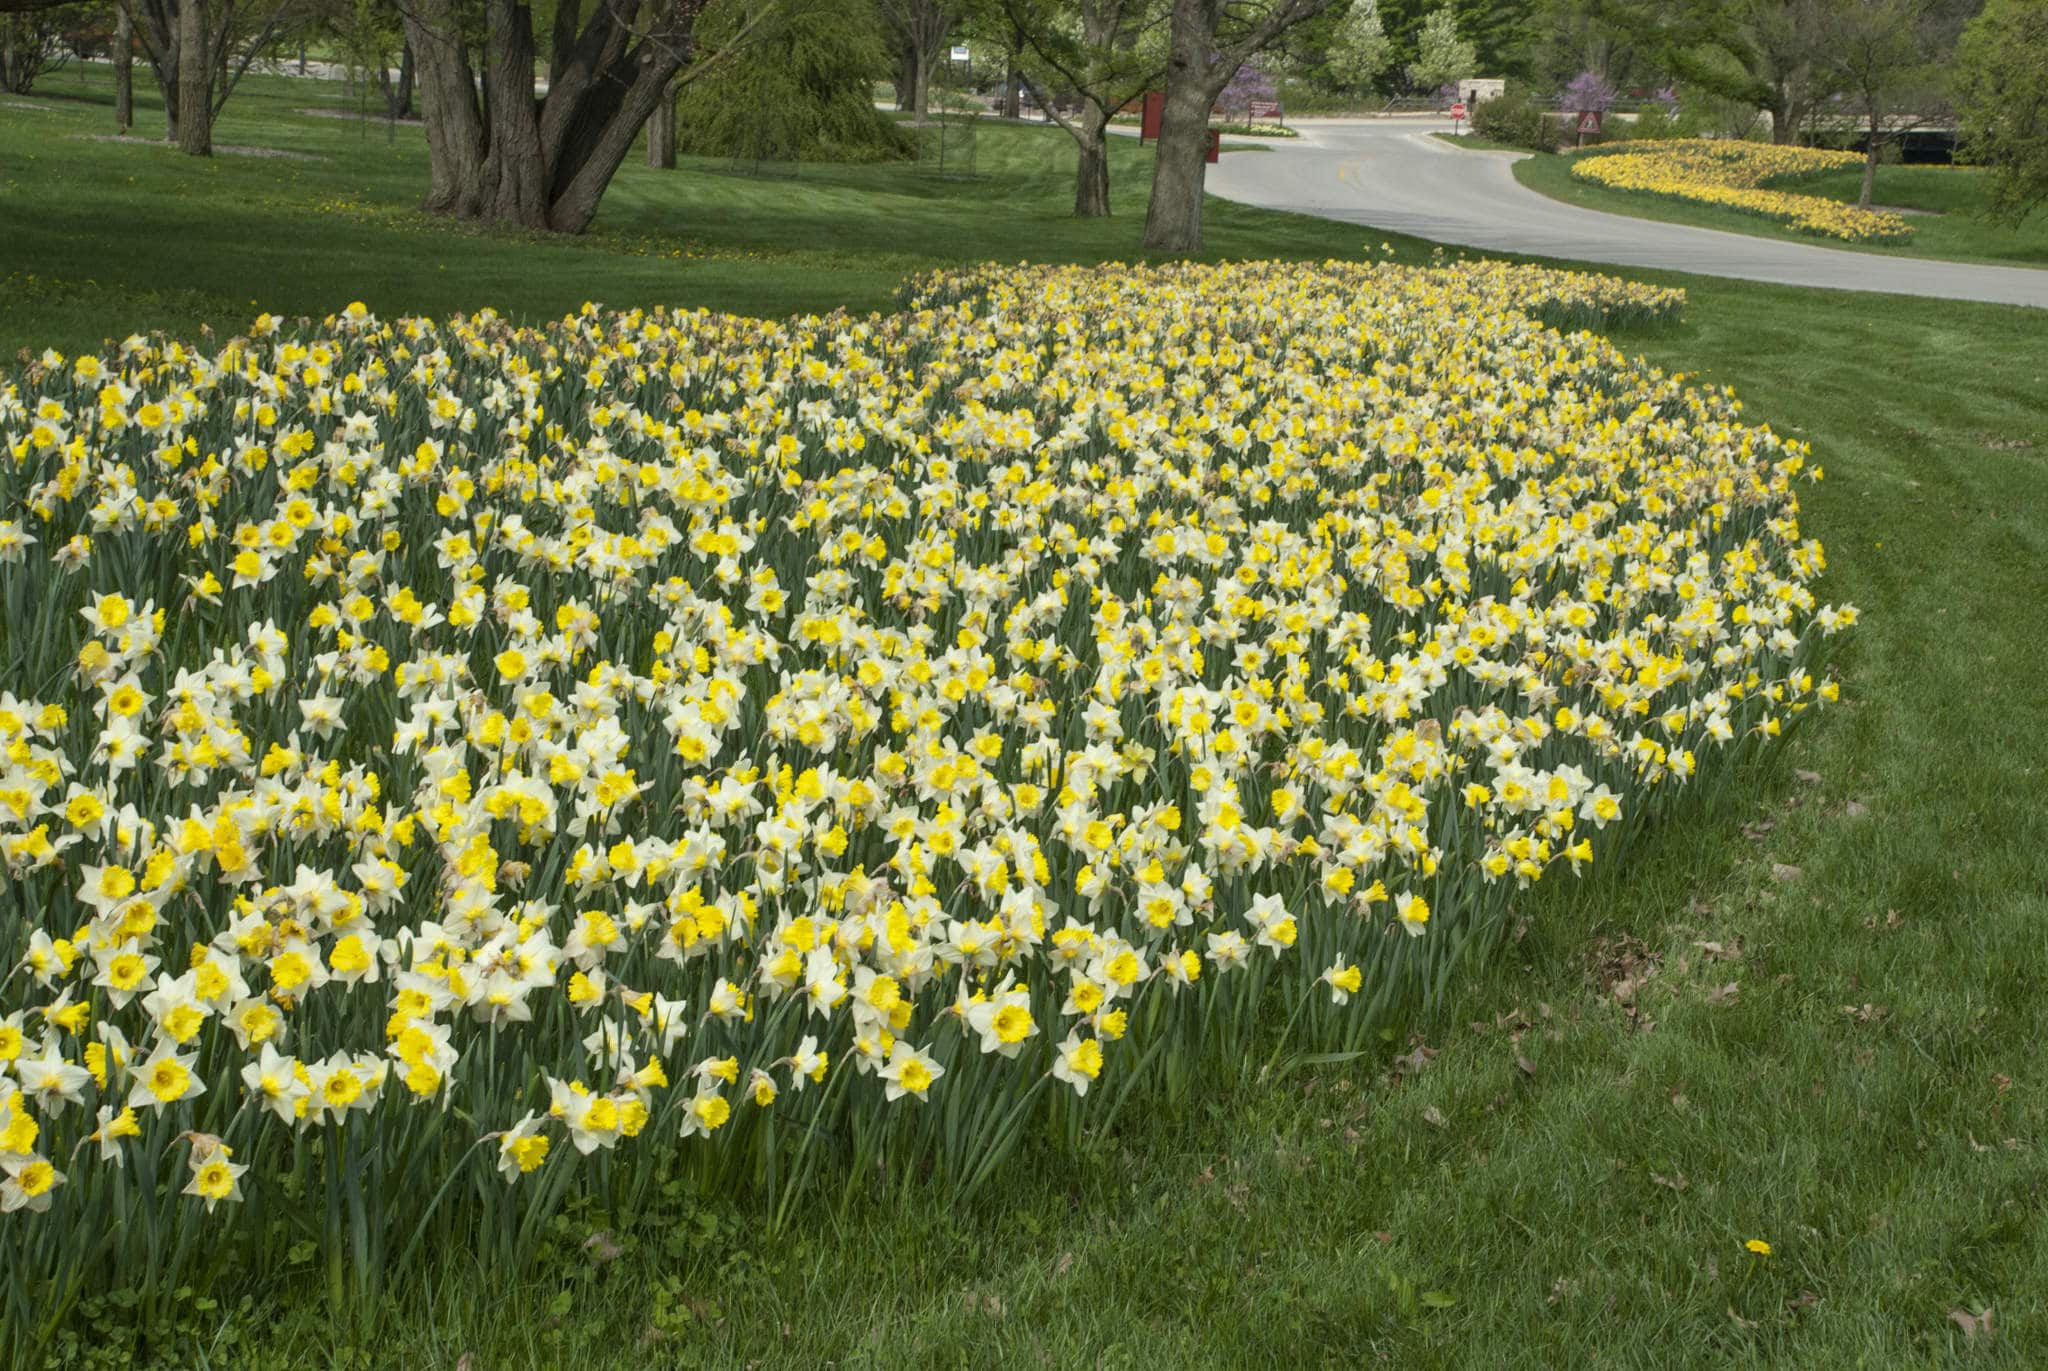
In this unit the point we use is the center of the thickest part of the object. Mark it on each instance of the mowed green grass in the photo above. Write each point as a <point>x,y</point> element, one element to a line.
<point>1810,1015</point>
<point>103,236</point>
<point>1953,225</point>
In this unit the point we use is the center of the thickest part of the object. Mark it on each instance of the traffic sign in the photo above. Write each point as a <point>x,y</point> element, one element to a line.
<point>1589,121</point>
<point>1458,110</point>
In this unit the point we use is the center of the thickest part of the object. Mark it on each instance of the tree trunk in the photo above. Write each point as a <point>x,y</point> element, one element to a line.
<point>921,88</point>
<point>195,83</point>
<point>661,133</point>
<point>455,128</point>
<point>1869,166</point>
<point>1091,177</point>
<point>1780,109</point>
<point>1008,108</point>
<point>1173,218</point>
<point>538,163</point>
<point>1787,114</point>
<point>906,80</point>
<point>592,152</point>
<point>401,98</point>
<point>124,70</point>
<point>515,181</point>
<point>167,85</point>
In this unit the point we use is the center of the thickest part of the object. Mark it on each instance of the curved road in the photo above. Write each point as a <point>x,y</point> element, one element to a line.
<point>1391,174</point>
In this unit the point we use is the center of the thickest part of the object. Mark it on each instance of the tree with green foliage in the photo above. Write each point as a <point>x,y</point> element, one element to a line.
<point>1105,53</point>
<point>1207,41</point>
<point>2001,94</point>
<point>920,31</point>
<point>1882,58</point>
<point>1360,50</point>
<point>803,90</point>
<point>1623,40</point>
<point>199,51</point>
<point>1442,53</point>
<point>1500,31</point>
<point>31,46</point>
<point>497,151</point>
<point>1770,54</point>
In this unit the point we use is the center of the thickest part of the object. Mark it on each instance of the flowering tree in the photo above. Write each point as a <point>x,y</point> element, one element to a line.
<point>1588,93</point>
<point>1442,55</point>
<point>1247,87</point>
<point>1361,50</point>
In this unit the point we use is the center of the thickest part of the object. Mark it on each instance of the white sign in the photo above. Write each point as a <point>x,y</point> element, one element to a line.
<point>960,54</point>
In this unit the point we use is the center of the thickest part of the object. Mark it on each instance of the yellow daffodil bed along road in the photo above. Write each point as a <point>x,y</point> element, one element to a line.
<point>447,763</point>
<point>1741,175</point>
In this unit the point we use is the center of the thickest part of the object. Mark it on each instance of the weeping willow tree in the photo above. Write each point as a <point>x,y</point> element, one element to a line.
<point>802,90</point>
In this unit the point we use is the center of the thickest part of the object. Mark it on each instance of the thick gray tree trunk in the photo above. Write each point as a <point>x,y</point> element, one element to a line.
<point>661,134</point>
<point>1173,218</point>
<point>513,187</point>
<point>1198,67</point>
<point>1786,114</point>
<point>1869,165</point>
<point>455,130</point>
<point>538,163</point>
<point>1091,177</point>
<point>124,70</point>
<point>195,81</point>
<point>921,85</point>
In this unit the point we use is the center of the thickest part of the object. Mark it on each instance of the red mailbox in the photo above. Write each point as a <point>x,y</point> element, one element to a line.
<point>1153,112</point>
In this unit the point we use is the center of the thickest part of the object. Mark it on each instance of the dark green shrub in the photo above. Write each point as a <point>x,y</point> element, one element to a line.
<point>1654,121</point>
<point>1515,120</point>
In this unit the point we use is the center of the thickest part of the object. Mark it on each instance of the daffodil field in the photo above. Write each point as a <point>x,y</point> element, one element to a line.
<point>1741,175</point>
<point>449,764</point>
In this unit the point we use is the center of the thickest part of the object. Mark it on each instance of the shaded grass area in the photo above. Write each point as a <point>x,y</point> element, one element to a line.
<point>87,224</point>
<point>1472,142</point>
<point>1953,226</point>
<point>1563,1166</point>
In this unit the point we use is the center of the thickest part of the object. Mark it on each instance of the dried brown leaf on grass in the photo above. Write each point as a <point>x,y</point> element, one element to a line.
<point>1974,1326</point>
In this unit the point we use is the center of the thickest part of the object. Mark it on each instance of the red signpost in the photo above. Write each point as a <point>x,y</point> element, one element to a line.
<point>1457,113</point>
<point>1589,122</point>
<point>1153,112</point>
<point>1215,148</point>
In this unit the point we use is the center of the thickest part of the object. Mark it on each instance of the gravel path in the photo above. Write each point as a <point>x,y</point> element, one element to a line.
<point>1391,174</point>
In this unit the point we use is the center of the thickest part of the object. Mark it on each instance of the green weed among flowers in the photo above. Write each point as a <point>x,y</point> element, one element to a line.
<point>450,765</point>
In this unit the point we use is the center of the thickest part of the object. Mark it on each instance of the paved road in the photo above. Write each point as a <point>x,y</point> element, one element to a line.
<point>1391,174</point>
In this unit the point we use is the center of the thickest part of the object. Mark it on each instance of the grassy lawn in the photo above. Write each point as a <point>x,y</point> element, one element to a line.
<point>1952,226</point>
<point>1472,142</point>
<point>1811,1016</point>
<point>337,220</point>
